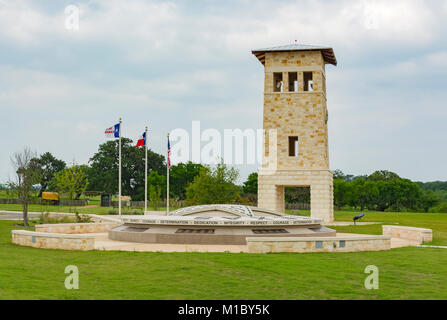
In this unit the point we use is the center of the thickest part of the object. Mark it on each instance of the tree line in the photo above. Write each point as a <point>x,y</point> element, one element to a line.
<point>200,184</point>
<point>386,191</point>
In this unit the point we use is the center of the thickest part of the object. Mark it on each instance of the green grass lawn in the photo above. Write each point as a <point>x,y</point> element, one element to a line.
<point>405,273</point>
<point>435,221</point>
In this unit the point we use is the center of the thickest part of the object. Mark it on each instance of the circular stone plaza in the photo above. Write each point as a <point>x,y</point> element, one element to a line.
<point>216,224</point>
<point>214,228</point>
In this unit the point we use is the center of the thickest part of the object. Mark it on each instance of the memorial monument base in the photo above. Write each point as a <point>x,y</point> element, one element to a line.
<point>217,224</point>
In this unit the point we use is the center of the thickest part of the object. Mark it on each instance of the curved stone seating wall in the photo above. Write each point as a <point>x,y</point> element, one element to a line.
<point>94,217</point>
<point>408,233</point>
<point>53,240</point>
<point>323,244</point>
<point>76,228</point>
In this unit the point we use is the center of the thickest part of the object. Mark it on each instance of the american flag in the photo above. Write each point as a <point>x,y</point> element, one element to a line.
<point>169,153</point>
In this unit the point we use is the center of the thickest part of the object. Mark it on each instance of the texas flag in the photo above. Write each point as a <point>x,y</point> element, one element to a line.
<point>113,132</point>
<point>142,140</point>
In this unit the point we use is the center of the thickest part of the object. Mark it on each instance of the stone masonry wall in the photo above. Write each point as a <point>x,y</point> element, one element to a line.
<point>53,241</point>
<point>75,228</point>
<point>302,245</point>
<point>271,190</point>
<point>303,114</point>
<point>409,233</point>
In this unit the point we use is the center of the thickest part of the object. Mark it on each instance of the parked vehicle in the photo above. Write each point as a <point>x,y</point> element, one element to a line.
<point>51,197</point>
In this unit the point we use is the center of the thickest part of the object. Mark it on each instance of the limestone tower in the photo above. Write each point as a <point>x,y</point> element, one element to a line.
<point>295,150</point>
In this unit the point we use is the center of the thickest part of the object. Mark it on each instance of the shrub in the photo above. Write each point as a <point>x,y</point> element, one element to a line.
<point>154,196</point>
<point>396,208</point>
<point>442,208</point>
<point>82,218</point>
<point>45,218</point>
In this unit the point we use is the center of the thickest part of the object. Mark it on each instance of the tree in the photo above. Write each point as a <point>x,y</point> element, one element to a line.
<point>364,192</point>
<point>251,184</point>
<point>154,196</point>
<point>103,172</point>
<point>385,191</point>
<point>72,181</point>
<point>338,174</point>
<point>214,185</point>
<point>383,175</point>
<point>396,194</point>
<point>429,199</point>
<point>48,165</point>
<point>180,176</point>
<point>27,175</point>
<point>434,185</point>
<point>297,194</point>
<point>153,180</point>
<point>406,194</point>
<point>342,191</point>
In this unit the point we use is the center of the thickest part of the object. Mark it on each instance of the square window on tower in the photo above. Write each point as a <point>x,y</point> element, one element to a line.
<point>293,81</point>
<point>277,82</point>
<point>293,146</point>
<point>308,81</point>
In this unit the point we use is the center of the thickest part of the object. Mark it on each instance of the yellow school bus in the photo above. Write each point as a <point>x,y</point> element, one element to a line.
<point>52,197</point>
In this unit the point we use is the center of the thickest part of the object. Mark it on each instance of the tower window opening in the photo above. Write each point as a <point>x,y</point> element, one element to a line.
<point>277,82</point>
<point>293,81</point>
<point>308,81</point>
<point>293,146</point>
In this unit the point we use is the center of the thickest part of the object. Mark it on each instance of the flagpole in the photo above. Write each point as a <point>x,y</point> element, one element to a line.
<point>145,173</point>
<point>167,179</point>
<point>119,171</point>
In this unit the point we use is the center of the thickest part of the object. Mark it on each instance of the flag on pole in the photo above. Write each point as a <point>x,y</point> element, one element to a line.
<point>169,153</point>
<point>168,162</point>
<point>142,140</point>
<point>113,132</point>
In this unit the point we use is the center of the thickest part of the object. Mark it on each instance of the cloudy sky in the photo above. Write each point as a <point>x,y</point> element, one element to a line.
<point>167,64</point>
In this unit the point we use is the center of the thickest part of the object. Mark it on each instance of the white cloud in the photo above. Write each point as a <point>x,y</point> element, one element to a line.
<point>168,63</point>
<point>147,28</point>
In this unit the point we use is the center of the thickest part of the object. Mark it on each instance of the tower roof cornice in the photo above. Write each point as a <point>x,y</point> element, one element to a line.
<point>327,52</point>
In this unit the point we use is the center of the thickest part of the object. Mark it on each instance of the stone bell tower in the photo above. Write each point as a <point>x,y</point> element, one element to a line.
<point>295,122</point>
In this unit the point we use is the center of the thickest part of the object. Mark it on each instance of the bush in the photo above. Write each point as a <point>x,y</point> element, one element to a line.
<point>154,196</point>
<point>248,199</point>
<point>396,208</point>
<point>442,208</point>
<point>82,218</point>
<point>45,218</point>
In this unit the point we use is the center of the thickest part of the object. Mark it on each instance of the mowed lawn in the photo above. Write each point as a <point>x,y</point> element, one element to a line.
<point>405,273</point>
<point>435,221</point>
